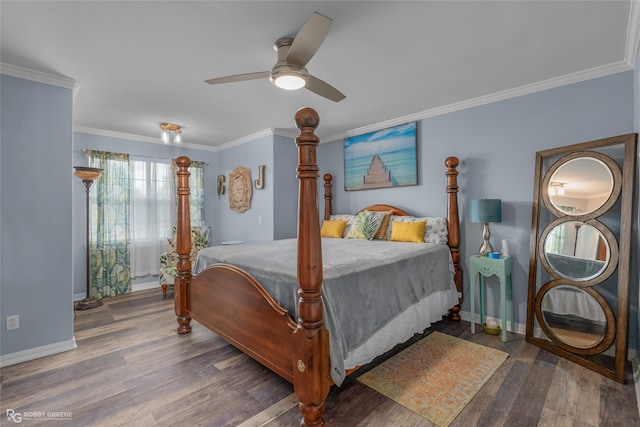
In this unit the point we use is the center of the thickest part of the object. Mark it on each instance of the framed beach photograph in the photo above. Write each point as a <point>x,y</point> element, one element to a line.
<point>381,159</point>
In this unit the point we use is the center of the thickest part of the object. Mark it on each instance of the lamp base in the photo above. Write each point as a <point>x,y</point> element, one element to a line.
<point>88,303</point>
<point>486,247</point>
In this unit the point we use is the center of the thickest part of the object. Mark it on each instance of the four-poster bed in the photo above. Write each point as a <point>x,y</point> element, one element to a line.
<point>232,303</point>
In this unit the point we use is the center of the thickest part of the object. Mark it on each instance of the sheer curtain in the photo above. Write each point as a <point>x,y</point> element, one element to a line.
<point>151,201</point>
<point>109,227</point>
<point>196,196</point>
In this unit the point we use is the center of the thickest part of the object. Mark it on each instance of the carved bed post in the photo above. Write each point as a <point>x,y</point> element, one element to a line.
<point>454,229</point>
<point>310,339</point>
<point>328,208</point>
<point>183,247</point>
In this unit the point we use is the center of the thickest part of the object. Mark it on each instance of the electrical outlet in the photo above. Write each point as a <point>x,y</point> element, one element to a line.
<point>13,322</point>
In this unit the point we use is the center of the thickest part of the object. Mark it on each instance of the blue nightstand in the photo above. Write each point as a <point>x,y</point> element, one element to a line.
<point>487,267</point>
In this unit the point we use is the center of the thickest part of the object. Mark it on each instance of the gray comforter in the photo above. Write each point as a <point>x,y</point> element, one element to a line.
<point>366,283</point>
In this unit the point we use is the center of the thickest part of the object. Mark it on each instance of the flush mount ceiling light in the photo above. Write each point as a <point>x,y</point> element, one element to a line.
<point>289,77</point>
<point>171,133</point>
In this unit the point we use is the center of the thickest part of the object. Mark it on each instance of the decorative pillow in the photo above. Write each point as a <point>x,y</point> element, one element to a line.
<point>436,231</point>
<point>366,225</point>
<point>344,217</point>
<point>333,228</point>
<point>408,231</point>
<point>384,226</point>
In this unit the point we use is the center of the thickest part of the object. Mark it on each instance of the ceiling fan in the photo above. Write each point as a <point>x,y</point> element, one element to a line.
<point>293,54</point>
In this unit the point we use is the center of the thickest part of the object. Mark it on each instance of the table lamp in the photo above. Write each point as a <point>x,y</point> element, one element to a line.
<point>486,211</point>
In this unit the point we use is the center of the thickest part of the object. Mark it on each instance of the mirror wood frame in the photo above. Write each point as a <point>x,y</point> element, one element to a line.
<point>622,194</point>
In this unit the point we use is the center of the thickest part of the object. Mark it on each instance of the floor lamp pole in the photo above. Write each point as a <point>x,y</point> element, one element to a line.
<point>88,175</point>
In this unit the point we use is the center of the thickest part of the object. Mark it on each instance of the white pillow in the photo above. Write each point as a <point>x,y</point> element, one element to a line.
<point>436,231</point>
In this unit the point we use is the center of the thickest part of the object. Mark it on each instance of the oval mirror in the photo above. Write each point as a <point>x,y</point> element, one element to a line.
<point>580,186</point>
<point>576,250</point>
<point>574,317</point>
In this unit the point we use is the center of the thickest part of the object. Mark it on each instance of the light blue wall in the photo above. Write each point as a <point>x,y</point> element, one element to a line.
<point>82,141</point>
<point>273,213</point>
<point>285,198</point>
<point>257,223</point>
<point>36,275</point>
<point>496,144</point>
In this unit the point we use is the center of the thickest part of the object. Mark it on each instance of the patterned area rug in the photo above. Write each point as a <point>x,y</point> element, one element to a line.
<point>435,377</point>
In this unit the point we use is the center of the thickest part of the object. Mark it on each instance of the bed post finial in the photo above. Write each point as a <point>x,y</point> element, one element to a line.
<point>454,229</point>
<point>310,339</point>
<point>307,120</point>
<point>183,246</point>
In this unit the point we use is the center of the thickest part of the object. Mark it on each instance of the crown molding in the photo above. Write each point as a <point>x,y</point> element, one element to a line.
<point>633,33</point>
<point>245,139</point>
<point>37,76</point>
<point>565,80</point>
<point>140,138</point>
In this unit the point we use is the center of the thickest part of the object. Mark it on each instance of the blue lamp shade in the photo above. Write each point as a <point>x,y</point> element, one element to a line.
<point>485,210</point>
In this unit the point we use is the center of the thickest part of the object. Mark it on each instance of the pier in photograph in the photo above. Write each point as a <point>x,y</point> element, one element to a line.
<point>377,175</point>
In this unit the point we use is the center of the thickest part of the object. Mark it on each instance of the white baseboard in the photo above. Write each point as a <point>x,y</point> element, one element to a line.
<point>134,288</point>
<point>519,328</point>
<point>145,286</point>
<point>538,333</point>
<point>37,353</point>
<point>48,350</point>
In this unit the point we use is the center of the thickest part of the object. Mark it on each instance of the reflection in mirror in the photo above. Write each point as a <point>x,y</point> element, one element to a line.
<point>574,317</point>
<point>576,250</point>
<point>580,186</point>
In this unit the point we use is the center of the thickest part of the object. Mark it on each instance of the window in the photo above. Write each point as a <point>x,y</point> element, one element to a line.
<point>133,210</point>
<point>151,200</point>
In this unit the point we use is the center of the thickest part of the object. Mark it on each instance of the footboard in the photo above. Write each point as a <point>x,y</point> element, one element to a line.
<point>231,303</point>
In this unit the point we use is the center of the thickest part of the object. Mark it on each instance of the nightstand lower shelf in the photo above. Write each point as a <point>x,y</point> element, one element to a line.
<point>502,267</point>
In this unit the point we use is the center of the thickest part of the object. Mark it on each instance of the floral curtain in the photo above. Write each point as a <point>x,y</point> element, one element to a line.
<point>196,196</point>
<point>109,227</point>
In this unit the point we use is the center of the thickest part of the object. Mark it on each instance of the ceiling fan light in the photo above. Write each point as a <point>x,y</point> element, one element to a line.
<point>289,82</point>
<point>178,138</point>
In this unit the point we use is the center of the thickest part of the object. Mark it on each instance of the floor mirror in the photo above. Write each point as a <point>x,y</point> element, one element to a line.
<point>579,267</point>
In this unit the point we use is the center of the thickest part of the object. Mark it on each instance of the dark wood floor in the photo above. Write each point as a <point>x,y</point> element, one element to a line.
<point>131,368</point>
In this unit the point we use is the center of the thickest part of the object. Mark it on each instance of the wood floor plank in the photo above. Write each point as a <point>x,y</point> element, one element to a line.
<point>132,368</point>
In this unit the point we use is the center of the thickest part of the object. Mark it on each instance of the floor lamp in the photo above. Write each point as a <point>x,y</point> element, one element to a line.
<point>87,175</point>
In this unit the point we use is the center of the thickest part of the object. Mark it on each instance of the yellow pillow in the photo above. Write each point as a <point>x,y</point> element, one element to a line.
<point>408,231</point>
<point>333,228</point>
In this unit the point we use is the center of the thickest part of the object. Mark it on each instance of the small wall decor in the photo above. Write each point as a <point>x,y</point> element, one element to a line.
<point>259,183</point>
<point>383,159</point>
<point>220,187</point>
<point>240,189</point>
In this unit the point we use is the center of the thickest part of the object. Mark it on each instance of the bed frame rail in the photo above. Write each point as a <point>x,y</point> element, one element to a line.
<point>303,356</point>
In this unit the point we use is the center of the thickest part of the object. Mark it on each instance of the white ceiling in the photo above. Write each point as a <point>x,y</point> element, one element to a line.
<point>137,64</point>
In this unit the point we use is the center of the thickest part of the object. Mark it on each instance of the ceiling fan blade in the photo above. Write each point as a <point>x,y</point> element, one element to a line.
<point>324,89</point>
<point>239,77</point>
<point>308,39</point>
